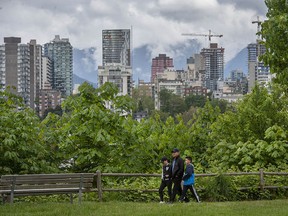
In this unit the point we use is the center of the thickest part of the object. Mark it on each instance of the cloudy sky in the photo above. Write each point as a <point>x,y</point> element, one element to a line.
<point>156,23</point>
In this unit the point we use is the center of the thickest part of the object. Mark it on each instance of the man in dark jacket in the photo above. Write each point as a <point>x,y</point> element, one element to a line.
<point>177,173</point>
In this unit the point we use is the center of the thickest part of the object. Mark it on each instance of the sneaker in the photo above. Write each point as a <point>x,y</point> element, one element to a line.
<point>161,202</point>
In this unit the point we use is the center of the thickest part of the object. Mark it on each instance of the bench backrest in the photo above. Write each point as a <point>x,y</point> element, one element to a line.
<point>41,181</point>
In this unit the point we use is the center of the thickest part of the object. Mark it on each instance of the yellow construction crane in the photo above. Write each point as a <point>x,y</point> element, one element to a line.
<point>204,35</point>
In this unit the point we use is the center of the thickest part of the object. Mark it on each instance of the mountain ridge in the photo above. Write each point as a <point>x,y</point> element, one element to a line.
<point>85,64</point>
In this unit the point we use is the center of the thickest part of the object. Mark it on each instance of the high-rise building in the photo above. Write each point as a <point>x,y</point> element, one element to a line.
<point>214,65</point>
<point>116,66</point>
<point>60,52</point>
<point>159,64</point>
<point>10,63</point>
<point>116,47</point>
<point>20,65</point>
<point>35,72</point>
<point>257,71</point>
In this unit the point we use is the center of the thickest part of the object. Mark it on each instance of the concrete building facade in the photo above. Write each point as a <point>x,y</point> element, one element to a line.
<point>120,75</point>
<point>46,73</point>
<point>48,99</point>
<point>146,89</point>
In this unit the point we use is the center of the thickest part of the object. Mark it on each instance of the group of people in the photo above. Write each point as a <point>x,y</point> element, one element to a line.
<point>172,176</point>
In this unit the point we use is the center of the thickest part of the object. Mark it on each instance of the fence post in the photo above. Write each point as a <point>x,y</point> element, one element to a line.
<point>262,183</point>
<point>99,185</point>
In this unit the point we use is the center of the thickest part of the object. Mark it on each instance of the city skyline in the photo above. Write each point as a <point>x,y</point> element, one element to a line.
<point>156,24</point>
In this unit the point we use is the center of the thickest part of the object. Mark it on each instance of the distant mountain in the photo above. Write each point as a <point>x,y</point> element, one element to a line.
<point>85,64</point>
<point>142,57</point>
<point>240,61</point>
<point>79,80</point>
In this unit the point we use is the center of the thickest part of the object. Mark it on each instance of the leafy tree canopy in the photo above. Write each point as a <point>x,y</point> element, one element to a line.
<point>274,33</point>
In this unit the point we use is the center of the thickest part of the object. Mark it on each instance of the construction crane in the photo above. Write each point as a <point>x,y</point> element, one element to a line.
<point>258,22</point>
<point>204,35</point>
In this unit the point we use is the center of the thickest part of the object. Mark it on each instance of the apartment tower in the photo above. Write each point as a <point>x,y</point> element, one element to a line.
<point>60,52</point>
<point>214,65</point>
<point>116,59</point>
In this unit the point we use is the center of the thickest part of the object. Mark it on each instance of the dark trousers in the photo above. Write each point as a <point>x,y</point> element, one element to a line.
<point>193,191</point>
<point>176,189</point>
<point>164,184</point>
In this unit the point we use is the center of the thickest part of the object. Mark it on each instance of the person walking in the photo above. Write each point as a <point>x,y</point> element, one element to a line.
<point>189,180</point>
<point>165,179</point>
<point>177,173</point>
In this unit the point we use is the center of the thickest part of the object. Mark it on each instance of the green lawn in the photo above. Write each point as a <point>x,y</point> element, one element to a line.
<point>253,208</point>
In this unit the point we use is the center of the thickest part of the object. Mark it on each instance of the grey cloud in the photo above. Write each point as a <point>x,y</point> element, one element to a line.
<point>257,5</point>
<point>156,23</point>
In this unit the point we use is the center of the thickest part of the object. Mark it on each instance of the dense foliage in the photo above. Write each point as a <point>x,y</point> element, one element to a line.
<point>274,33</point>
<point>22,149</point>
<point>96,131</point>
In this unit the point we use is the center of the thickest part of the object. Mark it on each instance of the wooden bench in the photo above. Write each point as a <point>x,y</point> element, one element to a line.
<point>46,184</point>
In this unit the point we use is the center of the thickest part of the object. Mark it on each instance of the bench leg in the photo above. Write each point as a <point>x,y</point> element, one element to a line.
<point>80,197</point>
<point>71,198</point>
<point>3,199</point>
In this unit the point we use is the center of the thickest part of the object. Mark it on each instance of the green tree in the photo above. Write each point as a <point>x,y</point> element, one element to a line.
<point>93,126</point>
<point>143,102</point>
<point>247,137</point>
<point>200,133</point>
<point>195,101</point>
<point>57,110</point>
<point>188,115</point>
<point>171,103</point>
<point>274,33</point>
<point>21,148</point>
<point>222,104</point>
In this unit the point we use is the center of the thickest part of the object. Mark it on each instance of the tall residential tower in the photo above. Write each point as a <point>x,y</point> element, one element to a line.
<point>214,65</point>
<point>116,47</point>
<point>257,71</point>
<point>60,53</point>
<point>20,67</point>
<point>116,57</point>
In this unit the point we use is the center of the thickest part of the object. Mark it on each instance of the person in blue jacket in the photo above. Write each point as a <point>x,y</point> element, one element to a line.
<point>189,180</point>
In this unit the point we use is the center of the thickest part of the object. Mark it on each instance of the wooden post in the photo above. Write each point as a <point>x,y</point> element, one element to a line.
<point>261,175</point>
<point>12,189</point>
<point>99,185</point>
<point>80,188</point>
